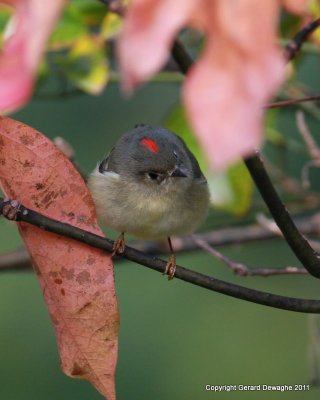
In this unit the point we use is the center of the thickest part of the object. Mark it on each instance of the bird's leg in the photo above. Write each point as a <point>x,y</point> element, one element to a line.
<point>119,245</point>
<point>171,264</point>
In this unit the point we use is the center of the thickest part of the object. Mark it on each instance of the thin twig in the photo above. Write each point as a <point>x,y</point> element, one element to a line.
<point>20,213</point>
<point>291,102</point>
<point>268,224</point>
<point>312,147</point>
<point>298,243</point>
<point>181,56</point>
<point>179,52</point>
<point>304,131</point>
<point>19,259</point>
<point>293,47</point>
<point>242,269</point>
<point>300,305</point>
<point>308,257</point>
<point>287,183</point>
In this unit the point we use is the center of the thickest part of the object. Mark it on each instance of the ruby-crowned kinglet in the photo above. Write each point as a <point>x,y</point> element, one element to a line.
<point>151,186</point>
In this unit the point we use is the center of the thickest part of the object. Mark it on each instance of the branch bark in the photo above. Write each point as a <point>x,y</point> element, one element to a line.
<point>242,269</point>
<point>293,47</point>
<point>309,258</point>
<point>19,259</point>
<point>297,242</point>
<point>18,212</point>
<point>291,102</point>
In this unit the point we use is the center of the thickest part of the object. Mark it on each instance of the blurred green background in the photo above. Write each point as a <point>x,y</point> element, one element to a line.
<point>175,338</point>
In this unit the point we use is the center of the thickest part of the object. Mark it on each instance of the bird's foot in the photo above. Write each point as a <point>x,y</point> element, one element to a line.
<point>170,267</point>
<point>119,245</point>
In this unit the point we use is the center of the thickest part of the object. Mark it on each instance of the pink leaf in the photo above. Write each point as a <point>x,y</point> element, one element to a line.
<point>161,20</point>
<point>77,280</point>
<point>240,68</point>
<point>238,72</point>
<point>296,6</point>
<point>22,51</point>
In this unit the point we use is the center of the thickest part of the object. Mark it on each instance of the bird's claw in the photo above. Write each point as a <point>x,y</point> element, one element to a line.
<point>119,245</point>
<point>170,267</point>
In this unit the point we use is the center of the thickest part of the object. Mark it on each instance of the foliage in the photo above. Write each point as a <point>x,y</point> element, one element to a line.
<point>231,190</point>
<point>238,69</point>
<point>81,300</point>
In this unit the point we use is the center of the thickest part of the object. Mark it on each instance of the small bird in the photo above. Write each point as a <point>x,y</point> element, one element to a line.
<point>151,186</point>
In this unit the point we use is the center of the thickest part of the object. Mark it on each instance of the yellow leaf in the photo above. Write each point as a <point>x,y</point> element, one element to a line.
<point>111,25</point>
<point>87,65</point>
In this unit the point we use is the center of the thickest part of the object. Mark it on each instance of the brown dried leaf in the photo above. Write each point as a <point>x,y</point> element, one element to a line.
<point>77,280</point>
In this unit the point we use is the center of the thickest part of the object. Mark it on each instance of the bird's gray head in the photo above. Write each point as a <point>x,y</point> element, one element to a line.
<point>153,156</point>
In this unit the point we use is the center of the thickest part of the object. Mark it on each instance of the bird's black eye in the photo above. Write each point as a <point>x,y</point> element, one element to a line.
<point>175,154</point>
<point>153,175</point>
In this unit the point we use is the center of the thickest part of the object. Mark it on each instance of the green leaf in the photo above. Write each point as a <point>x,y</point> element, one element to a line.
<point>314,10</point>
<point>111,25</point>
<point>92,12</point>
<point>230,191</point>
<point>43,74</point>
<point>271,132</point>
<point>289,24</point>
<point>177,123</point>
<point>5,15</point>
<point>70,27</point>
<point>86,65</point>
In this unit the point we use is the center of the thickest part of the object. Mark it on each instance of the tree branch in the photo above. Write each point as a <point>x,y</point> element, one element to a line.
<point>293,47</point>
<point>242,269</point>
<point>16,260</point>
<point>289,230</point>
<point>19,259</point>
<point>13,210</point>
<point>312,148</point>
<point>299,245</point>
<point>290,102</point>
<point>181,56</point>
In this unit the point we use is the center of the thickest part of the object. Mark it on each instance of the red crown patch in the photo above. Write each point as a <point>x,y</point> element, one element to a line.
<point>150,144</point>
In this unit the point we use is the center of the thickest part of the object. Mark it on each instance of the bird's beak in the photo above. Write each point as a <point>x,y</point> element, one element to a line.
<point>178,173</point>
<point>103,166</point>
